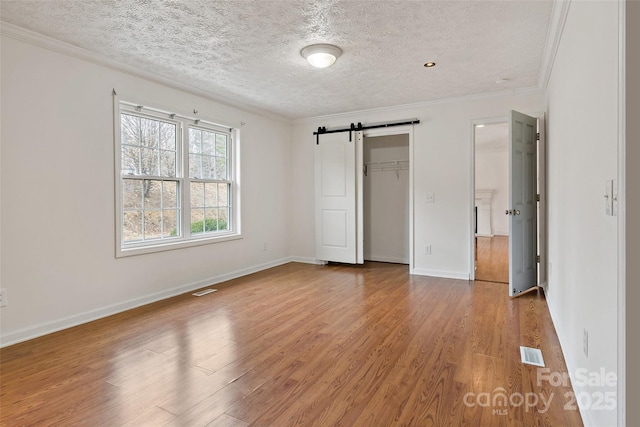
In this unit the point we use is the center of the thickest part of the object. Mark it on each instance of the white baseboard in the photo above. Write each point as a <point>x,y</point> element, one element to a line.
<point>443,274</point>
<point>88,316</point>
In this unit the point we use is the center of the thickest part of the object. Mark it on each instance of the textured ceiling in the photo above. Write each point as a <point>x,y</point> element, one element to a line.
<point>249,50</point>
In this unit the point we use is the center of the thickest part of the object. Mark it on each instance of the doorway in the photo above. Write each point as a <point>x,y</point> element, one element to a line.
<point>491,145</point>
<point>386,183</point>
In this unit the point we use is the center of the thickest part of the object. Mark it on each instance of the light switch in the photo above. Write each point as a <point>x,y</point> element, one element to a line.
<point>614,195</point>
<point>430,198</point>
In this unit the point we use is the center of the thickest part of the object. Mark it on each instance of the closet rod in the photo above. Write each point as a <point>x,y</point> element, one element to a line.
<point>392,165</point>
<point>353,127</point>
<point>389,163</point>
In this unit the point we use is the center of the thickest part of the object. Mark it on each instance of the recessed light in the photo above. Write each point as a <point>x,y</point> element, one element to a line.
<point>321,55</point>
<point>501,81</point>
<point>479,126</point>
<point>430,64</point>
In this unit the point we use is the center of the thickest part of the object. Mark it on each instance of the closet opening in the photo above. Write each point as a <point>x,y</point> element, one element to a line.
<point>386,198</point>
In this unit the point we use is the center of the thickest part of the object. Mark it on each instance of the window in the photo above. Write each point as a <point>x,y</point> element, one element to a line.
<point>210,183</point>
<point>176,181</point>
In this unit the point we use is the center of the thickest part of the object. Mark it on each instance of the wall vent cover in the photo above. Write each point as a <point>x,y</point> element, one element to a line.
<point>531,356</point>
<point>204,292</point>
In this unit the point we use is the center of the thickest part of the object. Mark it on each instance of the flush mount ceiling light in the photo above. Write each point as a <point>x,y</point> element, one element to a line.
<point>321,55</point>
<point>430,64</point>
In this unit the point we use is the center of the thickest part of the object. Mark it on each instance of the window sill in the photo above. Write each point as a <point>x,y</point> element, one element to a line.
<point>169,246</point>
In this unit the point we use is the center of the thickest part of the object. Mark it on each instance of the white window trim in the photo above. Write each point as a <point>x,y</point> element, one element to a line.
<point>186,240</point>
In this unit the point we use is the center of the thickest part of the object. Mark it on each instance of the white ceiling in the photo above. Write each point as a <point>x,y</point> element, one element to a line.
<point>248,51</point>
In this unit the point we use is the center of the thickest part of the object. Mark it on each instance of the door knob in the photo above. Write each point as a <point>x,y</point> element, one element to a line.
<point>516,212</point>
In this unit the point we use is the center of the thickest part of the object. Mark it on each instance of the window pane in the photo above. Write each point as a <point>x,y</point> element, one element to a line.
<point>167,136</point>
<point>152,194</point>
<point>195,140</point>
<point>131,194</point>
<point>169,223</point>
<point>130,160</point>
<point>132,226</point>
<point>152,225</point>
<point>197,221</point>
<point>169,194</point>
<point>130,129</point>
<point>208,167</point>
<point>221,145</point>
<point>142,140</point>
<point>223,219</point>
<point>149,161</point>
<point>211,195</point>
<point>223,193</point>
<point>197,194</point>
<point>168,163</point>
<point>194,166</point>
<point>208,143</point>
<point>221,168</point>
<point>149,133</point>
<point>211,220</point>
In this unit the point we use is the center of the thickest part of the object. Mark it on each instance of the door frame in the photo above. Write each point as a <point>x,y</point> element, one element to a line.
<point>542,188</point>
<point>399,130</point>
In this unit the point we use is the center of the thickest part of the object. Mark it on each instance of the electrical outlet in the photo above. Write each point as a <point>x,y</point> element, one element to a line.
<point>427,249</point>
<point>265,246</point>
<point>429,198</point>
<point>3,298</point>
<point>585,342</point>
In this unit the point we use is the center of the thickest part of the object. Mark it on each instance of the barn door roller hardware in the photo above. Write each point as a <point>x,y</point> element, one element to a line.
<point>353,127</point>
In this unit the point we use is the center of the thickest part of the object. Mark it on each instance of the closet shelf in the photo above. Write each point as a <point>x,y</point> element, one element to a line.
<point>392,165</point>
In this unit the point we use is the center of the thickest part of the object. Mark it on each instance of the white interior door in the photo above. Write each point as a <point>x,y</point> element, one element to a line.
<point>338,198</point>
<point>522,203</point>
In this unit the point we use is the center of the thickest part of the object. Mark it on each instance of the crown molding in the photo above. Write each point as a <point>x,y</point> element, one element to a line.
<point>558,19</point>
<point>531,90</point>
<point>37,39</point>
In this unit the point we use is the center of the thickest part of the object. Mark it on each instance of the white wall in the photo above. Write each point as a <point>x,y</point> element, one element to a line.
<point>58,236</point>
<point>492,172</point>
<point>582,107</point>
<point>442,165</point>
<point>386,201</point>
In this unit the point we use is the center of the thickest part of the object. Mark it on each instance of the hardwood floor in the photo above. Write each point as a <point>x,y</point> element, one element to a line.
<point>492,259</point>
<point>298,345</point>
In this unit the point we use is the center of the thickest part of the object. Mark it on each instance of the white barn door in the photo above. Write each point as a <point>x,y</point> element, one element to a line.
<point>338,198</point>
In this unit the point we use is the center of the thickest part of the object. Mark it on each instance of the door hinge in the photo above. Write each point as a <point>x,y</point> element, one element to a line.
<point>538,136</point>
<point>537,197</point>
<point>538,259</point>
